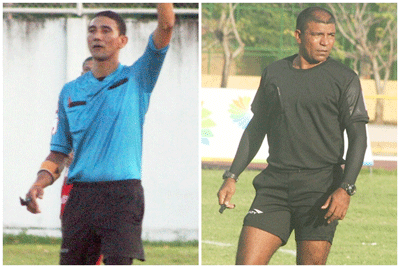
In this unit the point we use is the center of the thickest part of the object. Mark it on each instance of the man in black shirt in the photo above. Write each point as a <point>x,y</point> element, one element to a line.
<point>303,104</point>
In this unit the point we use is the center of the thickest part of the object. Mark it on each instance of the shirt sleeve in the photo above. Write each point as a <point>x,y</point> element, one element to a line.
<point>352,108</point>
<point>267,104</point>
<point>249,145</point>
<point>61,140</point>
<point>150,64</point>
<point>259,104</point>
<point>357,137</point>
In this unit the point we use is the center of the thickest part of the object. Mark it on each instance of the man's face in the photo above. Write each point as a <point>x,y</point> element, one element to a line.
<point>87,66</point>
<point>316,42</point>
<point>103,38</point>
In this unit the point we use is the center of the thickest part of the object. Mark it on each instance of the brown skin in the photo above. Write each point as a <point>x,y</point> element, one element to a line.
<point>104,42</point>
<point>87,66</point>
<point>43,180</point>
<point>226,192</point>
<point>315,45</point>
<point>166,21</point>
<point>256,246</point>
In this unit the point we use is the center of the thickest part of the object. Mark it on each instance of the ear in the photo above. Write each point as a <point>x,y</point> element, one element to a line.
<point>297,34</point>
<point>123,41</point>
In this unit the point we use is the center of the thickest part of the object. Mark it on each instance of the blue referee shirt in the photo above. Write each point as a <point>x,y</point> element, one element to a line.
<point>102,121</point>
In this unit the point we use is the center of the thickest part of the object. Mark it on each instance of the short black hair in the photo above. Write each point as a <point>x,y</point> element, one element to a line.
<point>313,14</point>
<point>86,60</point>
<point>114,16</point>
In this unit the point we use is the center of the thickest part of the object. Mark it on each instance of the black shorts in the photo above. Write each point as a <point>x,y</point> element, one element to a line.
<point>287,200</point>
<point>103,218</point>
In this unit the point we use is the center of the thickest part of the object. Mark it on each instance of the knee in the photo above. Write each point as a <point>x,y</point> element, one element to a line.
<point>312,252</point>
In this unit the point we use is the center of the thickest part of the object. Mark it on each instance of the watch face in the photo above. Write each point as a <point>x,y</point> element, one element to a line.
<point>351,189</point>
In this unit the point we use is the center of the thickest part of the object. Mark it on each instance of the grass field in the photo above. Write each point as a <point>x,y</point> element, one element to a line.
<point>367,236</point>
<point>32,250</point>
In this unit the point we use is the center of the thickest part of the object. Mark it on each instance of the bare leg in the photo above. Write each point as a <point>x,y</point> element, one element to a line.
<point>312,252</point>
<point>256,246</point>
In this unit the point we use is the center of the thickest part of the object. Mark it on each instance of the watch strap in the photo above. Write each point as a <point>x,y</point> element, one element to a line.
<point>228,174</point>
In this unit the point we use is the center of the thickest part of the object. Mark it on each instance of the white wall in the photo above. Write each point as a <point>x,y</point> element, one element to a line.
<point>38,58</point>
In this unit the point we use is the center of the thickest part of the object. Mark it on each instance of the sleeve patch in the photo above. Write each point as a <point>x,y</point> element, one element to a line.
<point>55,124</point>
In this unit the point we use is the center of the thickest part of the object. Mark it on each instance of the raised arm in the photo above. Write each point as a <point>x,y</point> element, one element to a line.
<point>166,20</point>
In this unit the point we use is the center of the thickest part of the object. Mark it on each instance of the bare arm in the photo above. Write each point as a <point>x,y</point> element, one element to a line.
<point>43,180</point>
<point>166,20</point>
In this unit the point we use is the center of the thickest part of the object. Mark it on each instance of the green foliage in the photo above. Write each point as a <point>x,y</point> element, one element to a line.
<point>267,31</point>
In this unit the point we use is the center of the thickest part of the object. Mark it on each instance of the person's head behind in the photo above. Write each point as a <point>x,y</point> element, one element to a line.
<point>315,34</point>
<point>87,65</point>
<point>106,36</point>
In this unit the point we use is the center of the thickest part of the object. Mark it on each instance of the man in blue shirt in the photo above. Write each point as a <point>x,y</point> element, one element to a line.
<point>100,117</point>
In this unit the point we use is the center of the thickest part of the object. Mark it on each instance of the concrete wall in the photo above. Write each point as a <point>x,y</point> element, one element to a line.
<point>39,58</point>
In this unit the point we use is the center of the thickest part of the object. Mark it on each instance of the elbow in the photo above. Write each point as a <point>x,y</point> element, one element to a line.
<point>168,25</point>
<point>168,29</point>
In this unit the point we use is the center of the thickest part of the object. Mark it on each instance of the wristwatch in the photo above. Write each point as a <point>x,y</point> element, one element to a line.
<point>349,188</point>
<point>228,174</point>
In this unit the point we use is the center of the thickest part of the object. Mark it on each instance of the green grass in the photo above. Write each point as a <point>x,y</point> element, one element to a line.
<point>368,234</point>
<point>34,250</point>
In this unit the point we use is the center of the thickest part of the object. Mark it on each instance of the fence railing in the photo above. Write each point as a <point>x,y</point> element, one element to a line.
<point>384,97</point>
<point>80,9</point>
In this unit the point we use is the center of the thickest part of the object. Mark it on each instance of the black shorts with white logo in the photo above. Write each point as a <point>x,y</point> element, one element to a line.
<point>103,218</point>
<point>289,200</point>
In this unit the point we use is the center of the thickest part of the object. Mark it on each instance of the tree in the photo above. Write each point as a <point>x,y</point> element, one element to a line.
<point>229,37</point>
<point>226,33</point>
<point>372,30</point>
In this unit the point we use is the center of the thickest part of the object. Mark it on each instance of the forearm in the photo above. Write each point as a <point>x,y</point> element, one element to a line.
<point>166,16</point>
<point>249,145</point>
<point>166,21</point>
<point>47,177</point>
<point>357,138</point>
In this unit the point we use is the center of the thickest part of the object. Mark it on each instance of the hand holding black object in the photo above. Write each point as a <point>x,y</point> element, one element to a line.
<point>225,194</point>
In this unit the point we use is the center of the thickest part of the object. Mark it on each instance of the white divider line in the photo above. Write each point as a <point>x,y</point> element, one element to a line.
<point>287,251</point>
<point>217,243</point>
